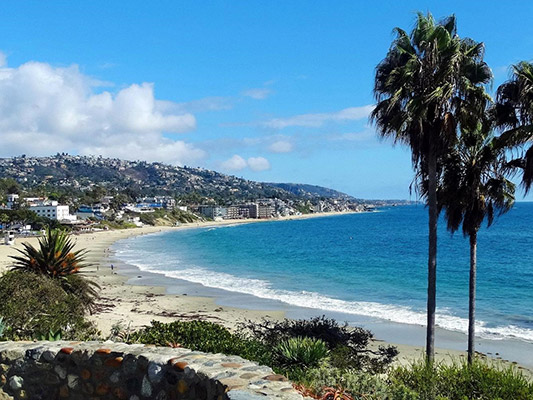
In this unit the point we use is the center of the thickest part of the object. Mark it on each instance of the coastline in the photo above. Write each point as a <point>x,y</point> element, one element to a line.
<point>128,300</point>
<point>133,305</point>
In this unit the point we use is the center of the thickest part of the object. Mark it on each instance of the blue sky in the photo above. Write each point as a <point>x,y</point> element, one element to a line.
<point>270,91</point>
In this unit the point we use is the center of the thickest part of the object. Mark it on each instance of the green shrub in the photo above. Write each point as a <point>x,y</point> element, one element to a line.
<point>348,345</point>
<point>359,384</point>
<point>458,381</point>
<point>300,353</point>
<point>203,336</point>
<point>31,304</point>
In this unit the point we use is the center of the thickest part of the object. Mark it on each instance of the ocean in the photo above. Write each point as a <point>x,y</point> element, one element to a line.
<point>367,268</point>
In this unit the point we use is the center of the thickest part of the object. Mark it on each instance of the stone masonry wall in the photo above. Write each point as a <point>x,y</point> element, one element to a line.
<point>104,370</point>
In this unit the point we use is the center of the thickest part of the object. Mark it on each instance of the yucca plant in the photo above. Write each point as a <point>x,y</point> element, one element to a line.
<point>301,352</point>
<point>56,258</point>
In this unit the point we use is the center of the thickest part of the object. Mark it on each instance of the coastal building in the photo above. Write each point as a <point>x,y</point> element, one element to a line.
<point>53,210</point>
<point>252,210</point>
<point>263,211</point>
<point>238,212</point>
<point>166,202</point>
<point>213,212</point>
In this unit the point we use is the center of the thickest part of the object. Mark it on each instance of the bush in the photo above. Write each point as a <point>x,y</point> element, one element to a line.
<point>358,384</point>
<point>32,304</point>
<point>203,336</point>
<point>460,381</point>
<point>348,346</point>
<point>167,217</point>
<point>300,353</point>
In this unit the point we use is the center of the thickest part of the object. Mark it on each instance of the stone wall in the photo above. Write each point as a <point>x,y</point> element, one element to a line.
<point>105,370</point>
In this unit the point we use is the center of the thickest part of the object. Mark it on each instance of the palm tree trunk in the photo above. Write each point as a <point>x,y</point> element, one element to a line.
<point>432,254</point>
<point>472,297</point>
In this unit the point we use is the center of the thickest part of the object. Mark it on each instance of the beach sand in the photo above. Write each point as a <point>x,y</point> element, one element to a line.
<point>134,306</point>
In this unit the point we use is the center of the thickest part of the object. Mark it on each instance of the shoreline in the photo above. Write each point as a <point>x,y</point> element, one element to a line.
<point>132,300</point>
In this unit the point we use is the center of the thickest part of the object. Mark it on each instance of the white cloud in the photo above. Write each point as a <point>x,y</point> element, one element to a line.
<point>258,163</point>
<point>149,148</point>
<point>46,109</point>
<point>258,93</point>
<point>317,120</point>
<point>237,163</point>
<point>280,146</point>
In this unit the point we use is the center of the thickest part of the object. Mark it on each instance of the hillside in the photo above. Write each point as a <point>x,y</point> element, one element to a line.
<point>304,190</point>
<point>70,174</point>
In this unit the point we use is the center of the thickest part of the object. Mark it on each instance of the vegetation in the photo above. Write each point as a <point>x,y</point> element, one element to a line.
<point>348,346</point>
<point>289,347</point>
<point>513,113</point>
<point>458,381</point>
<point>203,336</point>
<point>430,82</point>
<point>167,217</point>
<point>446,381</point>
<point>294,350</point>
<point>475,188</point>
<point>300,353</point>
<point>65,175</point>
<point>56,258</point>
<point>32,304</point>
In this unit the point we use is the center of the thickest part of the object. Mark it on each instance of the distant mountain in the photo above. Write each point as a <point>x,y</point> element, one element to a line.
<point>304,190</point>
<point>74,174</point>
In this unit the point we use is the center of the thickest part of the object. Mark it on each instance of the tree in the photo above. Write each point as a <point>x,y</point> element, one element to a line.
<point>514,114</point>
<point>429,83</point>
<point>4,220</point>
<point>475,188</point>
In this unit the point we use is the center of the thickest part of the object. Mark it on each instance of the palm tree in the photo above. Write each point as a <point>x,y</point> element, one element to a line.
<point>56,258</point>
<point>474,188</point>
<point>430,82</point>
<point>514,112</point>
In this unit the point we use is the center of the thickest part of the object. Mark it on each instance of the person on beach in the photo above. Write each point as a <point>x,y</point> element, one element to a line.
<point>112,266</point>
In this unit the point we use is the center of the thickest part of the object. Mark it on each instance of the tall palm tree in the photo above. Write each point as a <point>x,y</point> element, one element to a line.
<point>514,113</point>
<point>430,82</point>
<point>474,188</point>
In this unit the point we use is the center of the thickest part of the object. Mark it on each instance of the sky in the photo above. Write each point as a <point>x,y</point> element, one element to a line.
<point>276,91</point>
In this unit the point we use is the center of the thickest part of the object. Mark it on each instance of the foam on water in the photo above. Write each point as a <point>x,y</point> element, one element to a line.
<point>263,289</point>
<point>372,265</point>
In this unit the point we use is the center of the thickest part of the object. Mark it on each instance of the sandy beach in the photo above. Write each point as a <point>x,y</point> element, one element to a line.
<point>134,306</point>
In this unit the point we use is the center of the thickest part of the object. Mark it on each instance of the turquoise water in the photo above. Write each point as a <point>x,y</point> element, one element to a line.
<point>371,265</point>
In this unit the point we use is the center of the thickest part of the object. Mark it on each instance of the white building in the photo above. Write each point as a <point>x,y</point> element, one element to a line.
<point>53,210</point>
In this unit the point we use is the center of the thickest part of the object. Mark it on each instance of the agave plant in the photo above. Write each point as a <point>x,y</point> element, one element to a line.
<point>51,335</point>
<point>54,257</point>
<point>301,352</point>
